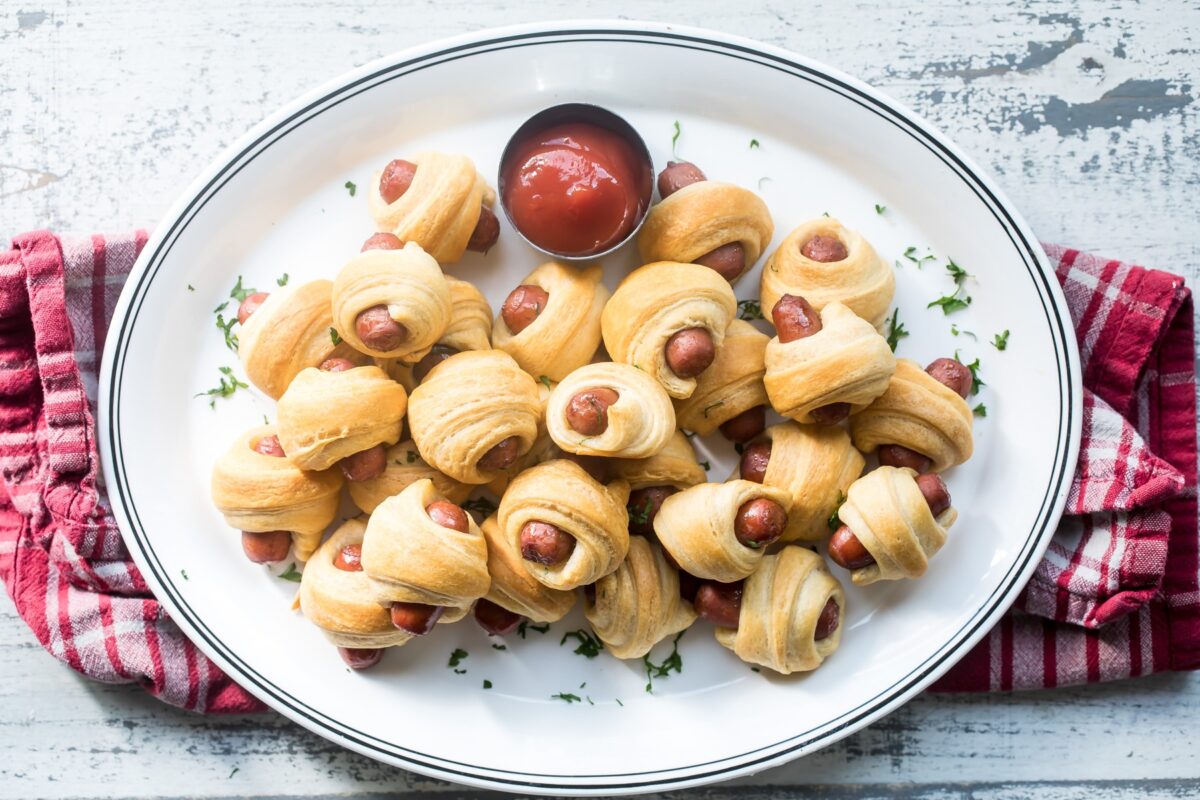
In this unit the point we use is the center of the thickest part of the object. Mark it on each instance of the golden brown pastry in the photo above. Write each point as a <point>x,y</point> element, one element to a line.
<point>674,465</point>
<point>550,324</point>
<point>289,332</point>
<point>569,528</point>
<point>404,468</point>
<point>324,417</point>
<point>392,303</point>
<point>919,413</point>
<point>814,464</point>
<point>732,386</point>
<point>705,216</point>
<point>845,365</point>
<point>335,595</point>
<point>513,588</point>
<point>263,493</point>
<point>785,608</point>
<point>669,320</point>
<point>412,557</point>
<point>474,415</point>
<point>470,325</point>
<point>719,531</point>
<point>898,518</point>
<point>639,605</point>
<point>441,207</point>
<point>825,262</point>
<point>610,409</point>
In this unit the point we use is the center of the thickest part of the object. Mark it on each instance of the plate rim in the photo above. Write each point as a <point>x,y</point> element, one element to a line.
<point>643,32</point>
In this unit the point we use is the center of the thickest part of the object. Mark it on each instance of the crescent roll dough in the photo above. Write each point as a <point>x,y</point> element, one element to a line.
<point>887,512</point>
<point>404,468</point>
<point>470,318</point>
<point>701,217</point>
<point>656,301</point>
<point>289,332</point>
<point>325,416</point>
<point>562,494</point>
<point>409,282</point>
<point>733,383</point>
<point>696,527</point>
<point>920,413</point>
<point>468,404</point>
<point>674,465</point>
<point>339,601</point>
<point>566,333</point>
<point>639,423</point>
<point>411,559</point>
<point>862,281</point>
<point>439,210</point>
<point>781,603</point>
<point>847,361</point>
<point>639,605</point>
<point>260,493</point>
<point>513,588</point>
<point>815,465</point>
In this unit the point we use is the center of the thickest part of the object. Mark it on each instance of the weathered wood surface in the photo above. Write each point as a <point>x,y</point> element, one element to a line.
<point>1085,112</point>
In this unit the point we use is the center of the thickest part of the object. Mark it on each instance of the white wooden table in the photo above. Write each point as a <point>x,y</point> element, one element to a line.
<point>1087,116</point>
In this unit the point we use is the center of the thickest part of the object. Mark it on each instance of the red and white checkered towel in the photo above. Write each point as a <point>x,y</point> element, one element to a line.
<point>1117,595</point>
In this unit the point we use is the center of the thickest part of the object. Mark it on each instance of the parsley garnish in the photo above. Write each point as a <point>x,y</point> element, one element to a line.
<point>834,522</point>
<point>183,572</point>
<point>480,505</point>
<point>739,448</point>
<point>979,410</point>
<point>749,310</point>
<point>589,645</point>
<point>976,383</point>
<point>499,647</point>
<point>526,625</point>
<point>235,771</point>
<point>824,213</point>
<point>457,657</point>
<point>545,381</point>
<point>896,330</point>
<point>675,139</point>
<point>240,292</point>
<point>755,669</point>
<point>410,457</point>
<point>334,336</point>
<point>712,406</point>
<point>643,516</point>
<point>955,331</point>
<point>290,574</point>
<point>228,385</point>
<point>351,188</point>
<point>672,663</point>
<point>282,280</point>
<point>226,327</point>
<point>953,302</point>
<point>191,288</point>
<point>487,684</point>
<point>754,145</point>
<point>567,696</point>
<point>707,466</point>
<point>911,254</point>
<point>622,705</point>
<point>1000,340</point>
<point>880,209</point>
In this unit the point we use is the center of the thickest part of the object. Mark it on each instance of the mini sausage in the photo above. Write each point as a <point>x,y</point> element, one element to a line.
<point>676,175</point>
<point>396,178</point>
<point>934,490</point>
<point>825,249</point>
<point>546,544</point>
<point>501,455</point>
<point>365,464</point>
<point>522,306</point>
<point>690,351</point>
<point>266,547</point>
<point>416,618</point>
<point>378,331</point>
<point>269,446</point>
<point>349,558</point>
<point>953,375</point>
<point>486,232</point>
<point>831,414</point>
<point>893,455</point>
<point>437,355</point>
<point>746,425</point>
<point>494,619</point>
<point>753,466</point>
<point>828,621</point>
<point>587,411</point>
<point>448,515</point>
<point>643,508</point>
<point>250,305</point>
<point>847,551</point>
<point>759,522</point>
<point>795,318</point>
<point>336,365</point>
<point>357,658</point>
<point>382,241</point>
<point>719,603</point>
<point>728,261</point>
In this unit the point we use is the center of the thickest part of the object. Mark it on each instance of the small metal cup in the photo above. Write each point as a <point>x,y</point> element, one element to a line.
<point>579,112</point>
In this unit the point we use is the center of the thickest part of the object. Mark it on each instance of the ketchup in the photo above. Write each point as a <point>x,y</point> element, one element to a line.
<point>575,188</point>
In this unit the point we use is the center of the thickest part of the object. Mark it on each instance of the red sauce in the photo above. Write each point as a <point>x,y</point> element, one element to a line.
<point>575,188</point>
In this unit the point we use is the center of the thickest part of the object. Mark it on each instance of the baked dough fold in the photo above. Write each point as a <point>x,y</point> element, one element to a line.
<point>674,465</point>
<point>701,217</point>
<point>732,384</point>
<point>470,318</point>
<point>404,468</point>
<point>639,423</point>
<point>513,588</point>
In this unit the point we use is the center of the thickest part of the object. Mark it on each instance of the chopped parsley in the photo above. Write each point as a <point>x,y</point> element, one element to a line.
<point>880,209</point>
<point>834,522</point>
<point>480,505</point>
<point>896,330</point>
<point>976,383</point>
<point>955,331</point>
<point>526,625</point>
<point>749,310</point>
<point>911,254</point>
<point>351,188</point>
<point>499,647</point>
<point>183,572</point>
<point>240,292</point>
<point>567,696</point>
<point>1000,340</point>
<point>221,307</point>
<point>282,280</point>
<point>622,705</point>
<point>979,410</point>
<point>589,645</point>
<point>487,684</point>
<point>672,663</point>
<point>643,516</point>
<point>191,288</point>
<point>739,448</point>
<point>457,657</point>
<point>954,302</point>
<point>707,466</point>
<point>675,139</point>
<point>235,771</point>
<point>291,573</point>
<point>712,406</point>
<point>755,669</point>
<point>545,381</point>
<point>226,327</point>
<point>334,336</point>
<point>228,385</point>
<point>410,457</point>
<point>754,145</point>
<point>824,213</point>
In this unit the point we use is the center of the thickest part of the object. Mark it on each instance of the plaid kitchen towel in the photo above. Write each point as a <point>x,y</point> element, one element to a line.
<point>1117,594</point>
